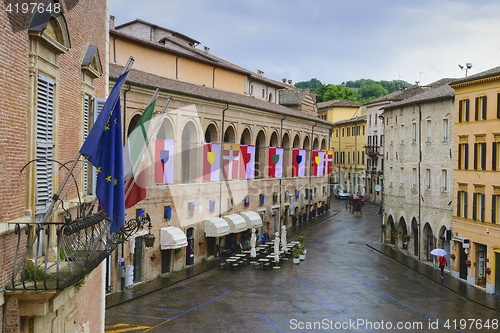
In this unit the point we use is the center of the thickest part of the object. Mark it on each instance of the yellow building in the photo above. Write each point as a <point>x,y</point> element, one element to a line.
<point>339,110</point>
<point>476,229</point>
<point>347,142</point>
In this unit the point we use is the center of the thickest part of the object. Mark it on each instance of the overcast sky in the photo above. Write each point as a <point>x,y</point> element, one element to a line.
<point>335,41</point>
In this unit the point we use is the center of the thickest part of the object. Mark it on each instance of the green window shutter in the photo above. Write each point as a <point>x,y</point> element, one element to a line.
<point>483,156</point>
<point>483,202</point>
<point>460,111</point>
<point>494,159</point>
<point>465,204</point>
<point>474,206</point>
<point>460,156</point>
<point>476,115</point>
<point>485,113</point>
<point>458,203</point>
<point>467,109</point>
<point>493,209</point>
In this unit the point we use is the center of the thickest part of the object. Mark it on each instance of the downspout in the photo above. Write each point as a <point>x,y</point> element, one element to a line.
<point>221,167</point>
<point>125,110</point>
<point>330,133</point>
<point>281,134</point>
<point>213,76</point>
<point>114,50</point>
<point>419,164</point>
<point>381,211</point>
<point>310,168</point>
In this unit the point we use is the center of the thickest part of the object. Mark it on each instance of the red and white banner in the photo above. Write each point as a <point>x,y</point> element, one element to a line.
<point>298,162</point>
<point>328,161</point>
<point>211,162</point>
<point>318,162</point>
<point>164,161</point>
<point>231,160</point>
<point>275,162</point>
<point>247,161</point>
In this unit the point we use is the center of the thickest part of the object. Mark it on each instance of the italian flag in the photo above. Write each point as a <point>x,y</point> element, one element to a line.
<point>133,158</point>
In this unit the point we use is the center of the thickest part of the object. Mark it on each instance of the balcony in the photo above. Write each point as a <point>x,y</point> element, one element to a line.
<point>372,150</point>
<point>54,256</point>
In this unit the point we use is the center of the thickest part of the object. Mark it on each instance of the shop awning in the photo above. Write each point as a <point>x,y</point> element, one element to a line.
<point>216,227</point>
<point>236,223</point>
<point>253,219</point>
<point>172,238</point>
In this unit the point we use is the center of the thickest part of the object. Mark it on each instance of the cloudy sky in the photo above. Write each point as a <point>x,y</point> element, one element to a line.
<point>332,40</point>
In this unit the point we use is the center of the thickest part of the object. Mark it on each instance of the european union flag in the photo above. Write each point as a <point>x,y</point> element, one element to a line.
<point>103,148</point>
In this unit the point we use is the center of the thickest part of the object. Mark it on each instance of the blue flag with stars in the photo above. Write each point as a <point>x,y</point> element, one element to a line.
<point>103,148</point>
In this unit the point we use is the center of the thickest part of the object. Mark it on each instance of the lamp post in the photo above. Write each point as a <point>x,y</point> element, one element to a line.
<point>149,239</point>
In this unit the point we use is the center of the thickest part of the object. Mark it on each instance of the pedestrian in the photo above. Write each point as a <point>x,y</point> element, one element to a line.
<point>233,245</point>
<point>442,263</point>
<point>263,239</point>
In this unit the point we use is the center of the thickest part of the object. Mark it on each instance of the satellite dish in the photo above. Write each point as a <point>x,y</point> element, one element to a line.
<point>378,188</point>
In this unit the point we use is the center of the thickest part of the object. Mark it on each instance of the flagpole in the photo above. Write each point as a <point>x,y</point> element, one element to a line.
<point>129,189</point>
<point>55,197</point>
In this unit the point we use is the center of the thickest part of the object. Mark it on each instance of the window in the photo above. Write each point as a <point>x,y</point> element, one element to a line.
<point>480,156</point>
<point>86,128</point>
<point>463,110</point>
<point>445,129</point>
<point>369,141</point>
<point>462,204</point>
<point>364,128</point>
<point>429,130</point>
<point>375,119</point>
<point>391,176</point>
<point>463,156</point>
<point>414,178</point>
<point>343,131</point>
<point>392,135</point>
<point>480,108</point>
<point>370,120</point>
<point>348,158</point>
<point>349,132</point>
<point>402,177</point>
<point>402,132</point>
<point>495,208</point>
<point>263,93</point>
<point>336,157</point>
<point>44,142</point>
<point>478,206</point>
<point>427,179</point>
<point>362,157</point>
<point>414,132</point>
<point>498,105</point>
<point>336,132</point>
<point>358,129</point>
<point>444,180</point>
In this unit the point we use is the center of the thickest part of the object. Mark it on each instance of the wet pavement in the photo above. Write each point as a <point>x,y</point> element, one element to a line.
<point>349,282</point>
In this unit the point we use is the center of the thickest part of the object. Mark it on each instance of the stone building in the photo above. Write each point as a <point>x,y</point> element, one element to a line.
<point>54,67</point>
<point>215,118</point>
<point>476,213</point>
<point>418,192</point>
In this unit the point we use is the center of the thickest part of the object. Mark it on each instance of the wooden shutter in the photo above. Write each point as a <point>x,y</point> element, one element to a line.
<point>474,206</point>
<point>483,203</point>
<point>493,209</point>
<point>466,164</point>
<point>498,106</point>
<point>97,107</point>
<point>458,203</point>
<point>460,147</point>
<point>44,143</point>
<point>483,155</point>
<point>86,115</point>
<point>476,115</point>
<point>467,109</point>
<point>465,204</point>
<point>485,114</point>
<point>460,111</point>
<point>475,155</point>
<point>494,159</point>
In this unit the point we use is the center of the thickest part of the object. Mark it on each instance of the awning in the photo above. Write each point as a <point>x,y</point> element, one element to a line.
<point>216,227</point>
<point>172,238</point>
<point>253,219</point>
<point>236,223</point>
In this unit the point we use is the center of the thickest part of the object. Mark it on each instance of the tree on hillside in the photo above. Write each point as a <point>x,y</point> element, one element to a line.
<point>311,84</point>
<point>336,92</point>
<point>372,91</point>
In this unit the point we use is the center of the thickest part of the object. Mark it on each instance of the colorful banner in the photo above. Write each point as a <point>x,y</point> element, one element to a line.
<point>231,160</point>
<point>275,162</point>
<point>318,162</point>
<point>328,161</point>
<point>247,161</point>
<point>164,161</point>
<point>298,162</point>
<point>211,162</point>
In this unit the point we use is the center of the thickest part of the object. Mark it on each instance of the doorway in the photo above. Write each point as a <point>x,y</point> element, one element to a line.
<point>165,261</point>
<point>138,260</point>
<point>497,273</point>
<point>481,264</point>
<point>463,266</point>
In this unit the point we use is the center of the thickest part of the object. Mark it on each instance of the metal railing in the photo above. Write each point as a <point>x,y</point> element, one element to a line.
<point>54,256</point>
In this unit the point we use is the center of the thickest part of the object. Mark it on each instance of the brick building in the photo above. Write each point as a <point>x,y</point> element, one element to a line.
<point>53,69</point>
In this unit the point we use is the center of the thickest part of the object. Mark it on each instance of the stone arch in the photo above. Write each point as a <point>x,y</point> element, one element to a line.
<point>246,137</point>
<point>390,227</point>
<point>323,144</point>
<point>260,154</point>
<point>166,130</point>
<point>428,240</point>
<point>189,153</point>
<point>307,146</point>
<point>230,134</point>
<point>287,155</point>
<point>404,232</point>
<point>296,141</point>
<point>316,144</point>
<point>274,141</point>
<point>212,134</point>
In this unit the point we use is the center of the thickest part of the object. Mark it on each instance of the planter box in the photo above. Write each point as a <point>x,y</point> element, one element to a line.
<point>302,257</point>
<point>296,260</point>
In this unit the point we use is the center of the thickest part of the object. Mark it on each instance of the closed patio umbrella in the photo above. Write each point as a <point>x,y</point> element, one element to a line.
<point>283,239</point>
<point>253,241</point>
<point>277,247</point>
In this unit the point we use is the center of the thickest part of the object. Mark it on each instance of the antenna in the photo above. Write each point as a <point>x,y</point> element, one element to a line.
<point>467,67</point>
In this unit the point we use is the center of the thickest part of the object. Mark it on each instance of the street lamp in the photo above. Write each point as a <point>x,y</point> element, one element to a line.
<point>467,67</point>
<point>149,239</point>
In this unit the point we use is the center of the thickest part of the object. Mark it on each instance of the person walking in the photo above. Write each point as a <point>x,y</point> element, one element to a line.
<point>442,263</point>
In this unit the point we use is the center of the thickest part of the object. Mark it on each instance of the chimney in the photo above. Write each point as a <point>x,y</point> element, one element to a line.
<point>260,73</point>
<point>111,22</point>
<point>207,50</point>
<point>284,80</point>
<point>289,82</point>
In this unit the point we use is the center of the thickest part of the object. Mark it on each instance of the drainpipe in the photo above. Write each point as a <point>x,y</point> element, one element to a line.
<point>281,134</point>
<point>213,76</point>
<point>330,133</point>
<point>221,167</point>
<point>419,165</point>
<point>114,50</point>
<point>177,67</point>
<point>125,110</point>
<point>310,167</point>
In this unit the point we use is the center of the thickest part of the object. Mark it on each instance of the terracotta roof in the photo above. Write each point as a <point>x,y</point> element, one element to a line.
<point>154,81</point>
<point>292,97</point>
<point>338,103</point>
<point>495,71</point>
<point>443,91</point>
<point>398,95</point>
<point>349,121</point>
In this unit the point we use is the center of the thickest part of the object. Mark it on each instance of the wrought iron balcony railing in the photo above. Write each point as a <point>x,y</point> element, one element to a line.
<point>54,256</point>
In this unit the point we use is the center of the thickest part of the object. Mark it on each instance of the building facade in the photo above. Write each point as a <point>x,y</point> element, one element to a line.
<point>55,68</point>
<point>476,231</point>
<point>418,171</point>
<point>208,124</point>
